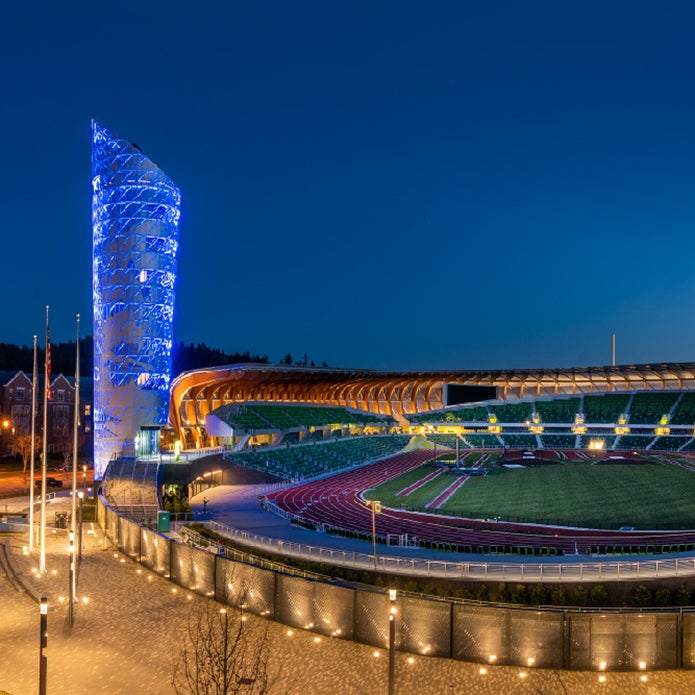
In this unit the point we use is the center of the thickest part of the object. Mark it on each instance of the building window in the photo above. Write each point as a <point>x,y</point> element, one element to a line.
<point>60,395</point>
<point>19,393</point>
<point>88,409</point>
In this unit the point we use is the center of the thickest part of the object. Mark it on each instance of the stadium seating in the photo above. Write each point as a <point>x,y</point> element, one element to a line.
<point>562,410</point>
<point>606,408</point>
<point>483,441</point>
<point>274,416</point>
<point>558,441</point>
<point>310,460</point>
<point>649,408</point>
<point>446,440</point>
<point>463,414</point>
<point>684,412</point>
<point>519,441</point>
<point>672,443</point>
<point>512,412</point>
<point>634,441</point>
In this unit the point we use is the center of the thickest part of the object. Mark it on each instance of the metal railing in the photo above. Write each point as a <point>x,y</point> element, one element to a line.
<point>608,570</point>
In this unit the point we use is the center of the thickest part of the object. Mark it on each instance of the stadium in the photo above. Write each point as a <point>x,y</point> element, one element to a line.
<point>469,480</point>
<point>590,427</point>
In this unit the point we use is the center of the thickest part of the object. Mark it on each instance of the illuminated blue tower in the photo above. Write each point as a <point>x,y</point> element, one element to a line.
<point>135,219</point>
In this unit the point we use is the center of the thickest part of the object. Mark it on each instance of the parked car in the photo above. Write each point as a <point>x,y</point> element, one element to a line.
<point>50,482</point>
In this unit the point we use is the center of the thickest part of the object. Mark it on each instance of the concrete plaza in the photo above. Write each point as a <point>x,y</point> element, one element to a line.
<point>129,624</point>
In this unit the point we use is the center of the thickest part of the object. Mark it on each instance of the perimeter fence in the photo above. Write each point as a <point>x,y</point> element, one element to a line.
<point>469,631</point>
<point>550,572</point>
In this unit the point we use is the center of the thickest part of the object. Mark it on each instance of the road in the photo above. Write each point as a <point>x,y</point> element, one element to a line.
<point>12,479</point>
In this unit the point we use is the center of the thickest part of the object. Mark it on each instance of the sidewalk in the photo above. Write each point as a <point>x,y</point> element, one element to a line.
<point>128,631</point>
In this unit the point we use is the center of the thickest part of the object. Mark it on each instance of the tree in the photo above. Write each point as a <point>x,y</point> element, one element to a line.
<point>21,443</point>
<point>222,652</point>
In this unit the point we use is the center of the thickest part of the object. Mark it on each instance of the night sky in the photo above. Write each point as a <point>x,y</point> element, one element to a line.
<point>388,185</point>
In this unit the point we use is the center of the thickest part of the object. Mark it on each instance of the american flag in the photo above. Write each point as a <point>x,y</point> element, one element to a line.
<point>48,362</point>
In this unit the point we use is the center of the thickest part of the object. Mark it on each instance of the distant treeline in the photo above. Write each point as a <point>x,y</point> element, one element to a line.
<point>184,357</point>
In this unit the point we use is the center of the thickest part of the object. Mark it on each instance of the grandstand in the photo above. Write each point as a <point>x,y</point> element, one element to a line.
<point>615,421</point>
<point>305,461</point>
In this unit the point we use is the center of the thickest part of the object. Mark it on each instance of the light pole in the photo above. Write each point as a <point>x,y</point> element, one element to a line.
<point>43,642</point>
<point>84,478</point>
<point>79,536</point>
<point>376,509</point>
<point>392,639</point>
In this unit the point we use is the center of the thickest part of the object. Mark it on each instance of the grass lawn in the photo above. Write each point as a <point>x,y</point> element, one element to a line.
<point>648,496</point>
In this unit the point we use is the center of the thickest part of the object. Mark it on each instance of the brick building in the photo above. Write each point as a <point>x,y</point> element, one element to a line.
<point>15,412</point>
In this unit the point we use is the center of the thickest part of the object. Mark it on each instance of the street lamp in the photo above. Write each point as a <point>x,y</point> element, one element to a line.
<point>84,478</point>
<point>392,639</point>
<point>43,642</point>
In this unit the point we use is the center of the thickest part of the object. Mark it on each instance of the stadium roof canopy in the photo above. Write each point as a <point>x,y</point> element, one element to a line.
<point>397,394</point>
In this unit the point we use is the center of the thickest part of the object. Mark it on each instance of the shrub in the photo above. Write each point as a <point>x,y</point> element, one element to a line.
<point>662,597</point>
<point>642,597</point>
<point>520,594</point>
<point>482,594</point>
<point>539,595</point>
<point>598,596</point>
<point>559,597</point>
<point>503,595</point>
<point>683,596</point>
<point>581,596</point>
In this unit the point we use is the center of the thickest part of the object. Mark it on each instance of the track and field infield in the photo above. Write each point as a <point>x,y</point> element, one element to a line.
<point>656,495</point>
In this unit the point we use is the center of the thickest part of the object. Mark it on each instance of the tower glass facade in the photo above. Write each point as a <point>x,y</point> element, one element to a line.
<point>135,227</point>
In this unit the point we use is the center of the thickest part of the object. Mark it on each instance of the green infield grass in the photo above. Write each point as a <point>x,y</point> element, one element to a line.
<point>654,495</point>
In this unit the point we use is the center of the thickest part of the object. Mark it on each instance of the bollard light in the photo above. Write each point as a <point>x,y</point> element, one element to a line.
<point>43,642</point>
<point>393,593</point>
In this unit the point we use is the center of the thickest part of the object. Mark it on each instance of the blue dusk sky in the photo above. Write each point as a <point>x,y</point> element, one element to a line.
<point>387,185</point>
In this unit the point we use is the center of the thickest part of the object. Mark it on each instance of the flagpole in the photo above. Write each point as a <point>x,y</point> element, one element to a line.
<point>33,451</point>
<point>44,455</point>
<point>76,422</point>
